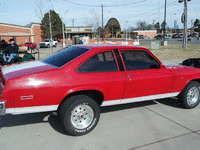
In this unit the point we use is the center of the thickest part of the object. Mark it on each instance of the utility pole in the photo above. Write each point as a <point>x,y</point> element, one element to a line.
<point>50,29</point>
<point>102,23</point>
<point>164,29</point>
<point>73,21</point>
<point>63,34</point>
<point>184,21</point>
<point>63,30</point>
<point>185,25</point>
<point>126,31</point>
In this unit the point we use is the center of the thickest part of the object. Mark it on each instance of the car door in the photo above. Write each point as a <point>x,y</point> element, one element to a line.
<point>102,73</point>
<point>144,75</point>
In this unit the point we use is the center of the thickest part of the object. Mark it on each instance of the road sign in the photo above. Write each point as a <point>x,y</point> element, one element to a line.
<point>183,18</point>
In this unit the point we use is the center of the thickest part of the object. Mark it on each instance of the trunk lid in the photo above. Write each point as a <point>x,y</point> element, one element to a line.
<point>16,70</point>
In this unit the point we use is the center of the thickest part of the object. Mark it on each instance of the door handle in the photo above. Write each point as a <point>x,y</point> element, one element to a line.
<point>130,76</point>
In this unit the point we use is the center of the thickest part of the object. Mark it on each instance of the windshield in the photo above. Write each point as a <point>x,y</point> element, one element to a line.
<point>64,56</point>
<point>46,41</point>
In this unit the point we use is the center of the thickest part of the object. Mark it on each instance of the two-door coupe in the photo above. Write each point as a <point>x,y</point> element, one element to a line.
<point>77,80</point>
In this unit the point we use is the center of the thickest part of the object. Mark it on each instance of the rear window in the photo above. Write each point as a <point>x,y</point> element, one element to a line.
<point>64,56</point>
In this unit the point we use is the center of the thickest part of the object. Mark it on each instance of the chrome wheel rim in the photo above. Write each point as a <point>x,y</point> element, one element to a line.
<point>82,116</point>
<point>192,96</point>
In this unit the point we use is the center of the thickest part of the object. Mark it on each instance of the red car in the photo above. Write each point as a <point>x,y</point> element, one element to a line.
<point>77,80</point>
<point>29,45</point>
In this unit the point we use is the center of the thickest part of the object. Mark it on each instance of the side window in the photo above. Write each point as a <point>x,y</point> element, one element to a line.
<point>139,60</point>
<point>102,62</point>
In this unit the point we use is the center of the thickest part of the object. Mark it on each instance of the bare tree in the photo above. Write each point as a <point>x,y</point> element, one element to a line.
<point>93,21</point>
<point>40,11</point>
<point>87,21</point>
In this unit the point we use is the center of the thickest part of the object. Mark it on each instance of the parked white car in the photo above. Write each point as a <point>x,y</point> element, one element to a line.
<point>48,43</point>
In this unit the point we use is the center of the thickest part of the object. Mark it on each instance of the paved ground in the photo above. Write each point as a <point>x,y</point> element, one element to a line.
<point>157,125</point>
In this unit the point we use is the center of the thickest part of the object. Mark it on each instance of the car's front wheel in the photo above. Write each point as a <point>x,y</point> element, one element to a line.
<point>190,96</point>
<point>79,114</point>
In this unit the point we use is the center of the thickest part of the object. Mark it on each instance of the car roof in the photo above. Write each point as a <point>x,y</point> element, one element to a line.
<point>105,46</point>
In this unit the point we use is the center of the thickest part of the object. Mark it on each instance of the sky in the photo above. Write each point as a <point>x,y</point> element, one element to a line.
<point>127,12</point>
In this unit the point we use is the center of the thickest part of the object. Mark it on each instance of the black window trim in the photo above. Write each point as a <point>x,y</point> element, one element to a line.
<point>119,60</point>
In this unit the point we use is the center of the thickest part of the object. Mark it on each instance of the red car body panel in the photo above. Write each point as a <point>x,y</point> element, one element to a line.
<point>36,84</point>
<point>183,75</point>
<point>148,82</point>
<point>30,45</point>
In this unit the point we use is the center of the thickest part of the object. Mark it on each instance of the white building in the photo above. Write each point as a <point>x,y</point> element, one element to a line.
<point>80,31</point>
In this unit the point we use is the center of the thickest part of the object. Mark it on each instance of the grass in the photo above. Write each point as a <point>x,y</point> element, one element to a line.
<point>175,52</point>
<point>168,52</point>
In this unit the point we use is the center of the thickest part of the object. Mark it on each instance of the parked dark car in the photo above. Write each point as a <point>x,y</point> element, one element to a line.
<point>141,36</point>
<point>176,35</point>
<point>193,62</point>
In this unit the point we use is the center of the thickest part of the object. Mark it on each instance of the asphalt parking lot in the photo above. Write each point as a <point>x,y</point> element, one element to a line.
<point>157,125</point>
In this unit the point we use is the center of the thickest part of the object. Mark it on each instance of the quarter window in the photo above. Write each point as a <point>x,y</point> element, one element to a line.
<point>139,60</point>
<point>102,62</point>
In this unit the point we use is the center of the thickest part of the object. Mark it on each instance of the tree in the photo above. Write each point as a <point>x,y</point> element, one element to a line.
<point>141,25</point>
<point>157,26</point>
<point>40,9</point>
<point>113,29</point>
<point>197,25</point>
<point>100,31</point>
<point>163,26</point>
<point>95,19</point>
<point>176,30</point>
<point>56,25</point>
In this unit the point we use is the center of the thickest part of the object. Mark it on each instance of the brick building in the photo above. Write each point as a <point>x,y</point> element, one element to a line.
<point>146,33</point>
<point>21,34</point>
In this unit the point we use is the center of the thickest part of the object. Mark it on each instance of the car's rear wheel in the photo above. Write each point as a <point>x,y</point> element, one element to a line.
<point>190,96</point>
<point>1,64</point>
<point>79,114</point>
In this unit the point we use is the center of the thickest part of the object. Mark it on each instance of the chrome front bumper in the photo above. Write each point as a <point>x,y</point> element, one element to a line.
<point>2,108</point>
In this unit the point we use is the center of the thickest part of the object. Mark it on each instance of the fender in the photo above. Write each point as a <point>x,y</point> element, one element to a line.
<point>183,77</point>
<point>78,89</point>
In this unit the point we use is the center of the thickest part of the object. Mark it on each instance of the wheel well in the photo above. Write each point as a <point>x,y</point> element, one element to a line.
<point>197,80</point>
<point>94,94</point>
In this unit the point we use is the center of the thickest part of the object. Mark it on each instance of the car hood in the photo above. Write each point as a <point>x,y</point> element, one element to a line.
<point>183,70</point>
<point>27,68</point>
<point>177,67</point>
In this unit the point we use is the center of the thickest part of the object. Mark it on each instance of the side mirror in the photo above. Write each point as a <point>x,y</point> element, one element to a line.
<point>155,66</point>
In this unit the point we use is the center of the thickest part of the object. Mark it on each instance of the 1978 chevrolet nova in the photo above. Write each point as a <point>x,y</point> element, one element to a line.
<point>77,80</point>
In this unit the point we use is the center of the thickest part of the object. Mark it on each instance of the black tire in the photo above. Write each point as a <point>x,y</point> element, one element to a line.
<point>32,59</point>
<point>48,46</point>
<point>190,96</point>
<point>1,64</point>
<point>79,114</point>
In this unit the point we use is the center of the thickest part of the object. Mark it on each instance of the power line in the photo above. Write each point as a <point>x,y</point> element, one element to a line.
<point>117,5</point>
